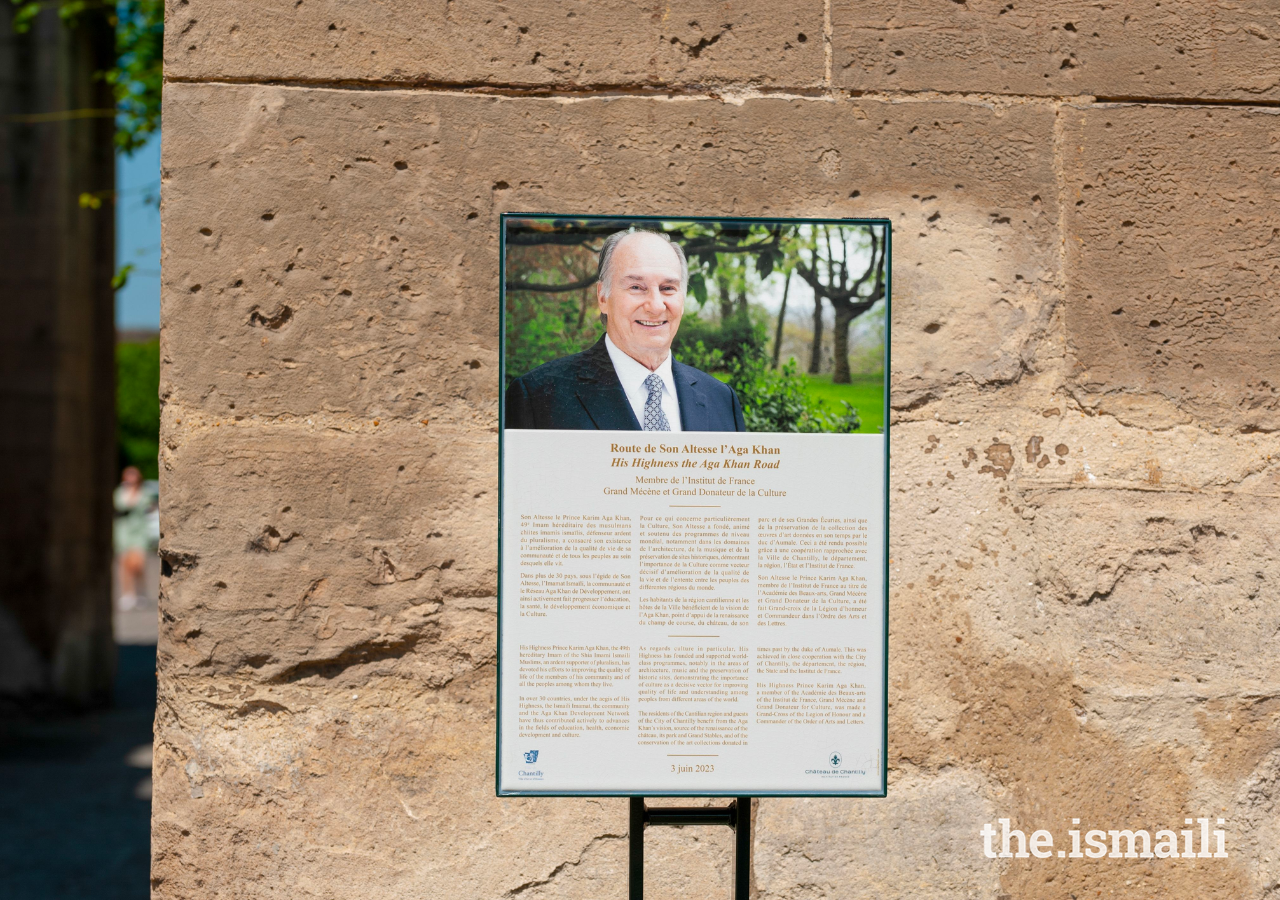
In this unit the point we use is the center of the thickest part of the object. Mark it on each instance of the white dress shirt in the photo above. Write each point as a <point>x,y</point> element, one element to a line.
<point>632,375</point>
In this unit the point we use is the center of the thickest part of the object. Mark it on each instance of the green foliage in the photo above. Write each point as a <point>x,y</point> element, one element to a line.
<point>866,353</point>
<point>738,336</point>
<point>121,278</point>
<point>24,15</point>
<point>539,331</point>
<point>773,400</point>
<point>138,72</point>
<point>138,406</point>
<point>545,325</point>
<point>698,287</point>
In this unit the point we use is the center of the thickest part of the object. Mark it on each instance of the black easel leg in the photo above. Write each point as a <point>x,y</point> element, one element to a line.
<point>736,815</point>
<point>635,837</point>
<point>742,850</point>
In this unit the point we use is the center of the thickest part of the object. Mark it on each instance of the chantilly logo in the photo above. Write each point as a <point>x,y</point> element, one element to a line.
<point>835,760</point>
<point>531,756</point>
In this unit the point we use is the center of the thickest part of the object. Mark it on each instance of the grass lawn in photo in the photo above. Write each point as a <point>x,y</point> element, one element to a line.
<point>865,394</point>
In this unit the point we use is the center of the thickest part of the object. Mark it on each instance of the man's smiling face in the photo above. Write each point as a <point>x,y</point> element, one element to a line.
<point>644,299</point>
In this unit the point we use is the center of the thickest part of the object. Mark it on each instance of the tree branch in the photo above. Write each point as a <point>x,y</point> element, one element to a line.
<point>845,295</point>
<point>551,288</point>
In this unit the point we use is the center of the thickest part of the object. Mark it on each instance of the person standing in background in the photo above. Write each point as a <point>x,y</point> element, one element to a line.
<point>134,500</point>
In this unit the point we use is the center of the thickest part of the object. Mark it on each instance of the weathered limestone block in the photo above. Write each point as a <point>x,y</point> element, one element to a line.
<point>1255,806</point>
<point>1139,584</point>
<point>1112,547</point>
<point>387,787</point>
<point>679,862</point>
<point>1172,217</point>
<point>331,252</point>
<point>309,787</point>
<point>916,843</point>
<point>582,43</point>
<point>1066,640</point>
<point>1145,49</point>
<point>300,548</point>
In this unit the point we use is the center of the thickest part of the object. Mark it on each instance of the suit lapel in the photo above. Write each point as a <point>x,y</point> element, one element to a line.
<point>601,394</point>
<point>693,404</point>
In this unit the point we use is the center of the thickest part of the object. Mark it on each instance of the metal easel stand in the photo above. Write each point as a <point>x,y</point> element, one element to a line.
<point>737,815</point>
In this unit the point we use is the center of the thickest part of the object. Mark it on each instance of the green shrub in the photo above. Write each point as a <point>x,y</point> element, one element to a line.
<point>773,400</point>
<point>736,338</point>
<point>538,332</point>
<point>138,406</point>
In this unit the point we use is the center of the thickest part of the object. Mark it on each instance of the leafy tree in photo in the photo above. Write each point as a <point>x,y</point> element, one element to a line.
<point>828,274</point>
<point>550,312</point>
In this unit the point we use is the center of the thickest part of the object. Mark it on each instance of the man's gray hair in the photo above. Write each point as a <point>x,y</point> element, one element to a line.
<point>605,271</point>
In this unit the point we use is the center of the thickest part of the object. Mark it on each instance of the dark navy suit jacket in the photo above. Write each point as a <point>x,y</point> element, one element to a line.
<point>583,392</point>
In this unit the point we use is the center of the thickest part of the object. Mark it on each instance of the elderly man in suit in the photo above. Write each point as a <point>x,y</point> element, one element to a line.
<point>628,380</point>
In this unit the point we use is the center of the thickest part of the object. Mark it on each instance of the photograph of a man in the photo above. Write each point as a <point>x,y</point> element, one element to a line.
<point>628,380</point>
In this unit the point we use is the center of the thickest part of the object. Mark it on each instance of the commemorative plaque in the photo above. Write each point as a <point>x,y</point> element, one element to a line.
<point>693,506</point>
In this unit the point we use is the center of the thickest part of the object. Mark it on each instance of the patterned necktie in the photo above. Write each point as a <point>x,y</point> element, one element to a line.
<point>654,418</point>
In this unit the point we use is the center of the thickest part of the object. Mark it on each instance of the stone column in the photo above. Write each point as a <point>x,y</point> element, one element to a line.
<point>57,369</point>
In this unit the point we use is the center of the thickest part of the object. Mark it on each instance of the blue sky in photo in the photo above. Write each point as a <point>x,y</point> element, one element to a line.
<point>138,236</point>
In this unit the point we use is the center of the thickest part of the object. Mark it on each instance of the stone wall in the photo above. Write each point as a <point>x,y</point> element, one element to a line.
<point>1083,494</point>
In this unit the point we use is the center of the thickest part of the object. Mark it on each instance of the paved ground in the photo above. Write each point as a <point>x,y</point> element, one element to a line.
<point>141,624</point>
<point>75,795</point>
